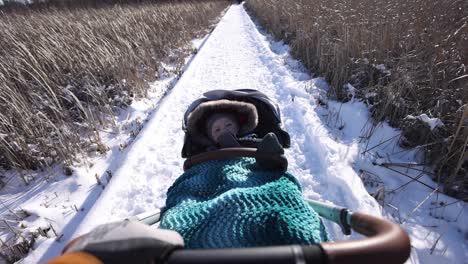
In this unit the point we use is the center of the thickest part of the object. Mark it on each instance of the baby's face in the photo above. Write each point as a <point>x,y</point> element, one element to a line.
<point>221,125</point>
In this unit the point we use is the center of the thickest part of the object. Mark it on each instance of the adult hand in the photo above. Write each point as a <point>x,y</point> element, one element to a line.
<point>127,242</point>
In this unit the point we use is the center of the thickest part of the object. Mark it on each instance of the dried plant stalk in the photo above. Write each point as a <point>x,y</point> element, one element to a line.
<point>66,65</point>
<point>403,57</point>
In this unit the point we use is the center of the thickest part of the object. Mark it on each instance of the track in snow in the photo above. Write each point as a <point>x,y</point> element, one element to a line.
<point>235,56</point>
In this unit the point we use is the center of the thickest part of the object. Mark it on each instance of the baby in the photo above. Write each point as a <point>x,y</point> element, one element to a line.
<point>229,124</point>
<point>223,129</point>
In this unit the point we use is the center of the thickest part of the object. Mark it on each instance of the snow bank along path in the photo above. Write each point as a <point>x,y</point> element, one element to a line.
<point>237,56</point>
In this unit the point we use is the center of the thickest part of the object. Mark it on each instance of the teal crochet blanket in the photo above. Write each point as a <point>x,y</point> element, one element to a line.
<point>234,203</point>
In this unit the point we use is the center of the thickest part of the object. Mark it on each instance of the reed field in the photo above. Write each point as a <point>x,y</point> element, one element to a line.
<point>66,66</point>
<point>404,58</point>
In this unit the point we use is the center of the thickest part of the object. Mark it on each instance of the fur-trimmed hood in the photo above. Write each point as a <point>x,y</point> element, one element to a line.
<point>196,122</point>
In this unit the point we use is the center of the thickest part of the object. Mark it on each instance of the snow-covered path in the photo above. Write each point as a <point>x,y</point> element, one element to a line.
<point>235,56</point>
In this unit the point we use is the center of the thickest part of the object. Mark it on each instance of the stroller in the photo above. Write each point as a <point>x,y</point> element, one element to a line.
<point>386,242</point>
<point>255,154</point>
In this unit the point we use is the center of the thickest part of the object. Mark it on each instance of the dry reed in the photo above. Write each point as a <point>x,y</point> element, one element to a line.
<point>403,57</point>
<point>64,68</point>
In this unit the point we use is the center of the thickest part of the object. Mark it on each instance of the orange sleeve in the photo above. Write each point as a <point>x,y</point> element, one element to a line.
<point>75,258</point>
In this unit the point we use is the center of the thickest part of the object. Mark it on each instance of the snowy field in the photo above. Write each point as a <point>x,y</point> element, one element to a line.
<point>336,154</point>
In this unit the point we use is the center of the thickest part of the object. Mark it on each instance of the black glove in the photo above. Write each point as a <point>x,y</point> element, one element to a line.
<point>228,140</point>
<point>271,145</point>
<point>128,242</point>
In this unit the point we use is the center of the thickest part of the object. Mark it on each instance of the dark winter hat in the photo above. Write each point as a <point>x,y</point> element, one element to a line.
<point>246,114</point>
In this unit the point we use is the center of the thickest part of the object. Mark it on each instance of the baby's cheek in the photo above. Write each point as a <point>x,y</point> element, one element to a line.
<point>216,136</point>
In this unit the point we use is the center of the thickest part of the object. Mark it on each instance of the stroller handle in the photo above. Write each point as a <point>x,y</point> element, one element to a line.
<point>386,242</point>
<point>271,255</point>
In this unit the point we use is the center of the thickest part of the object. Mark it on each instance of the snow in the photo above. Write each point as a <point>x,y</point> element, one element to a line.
<point>338,155</point>
<point>382,69</point>
<point>431,122</point>
<point>350,90</point>
<point>198,43</point>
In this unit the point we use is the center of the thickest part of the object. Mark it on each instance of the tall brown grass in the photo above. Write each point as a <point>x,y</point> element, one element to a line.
<point>64,69</point>
<point>423,45</point>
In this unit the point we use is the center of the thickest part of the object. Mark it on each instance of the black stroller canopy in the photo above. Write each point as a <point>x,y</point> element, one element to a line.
<point>269,117</point>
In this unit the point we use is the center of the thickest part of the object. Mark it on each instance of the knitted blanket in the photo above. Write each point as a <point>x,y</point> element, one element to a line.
<point>234,203</point>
